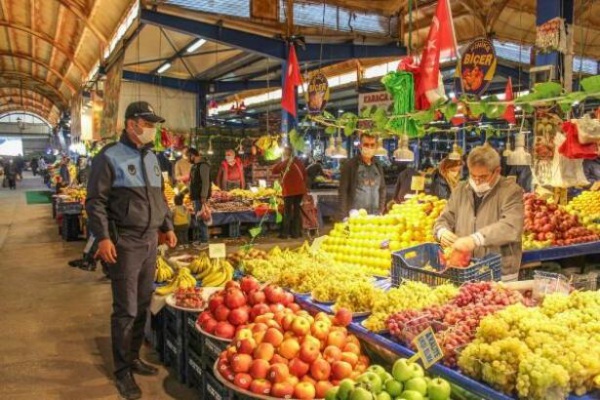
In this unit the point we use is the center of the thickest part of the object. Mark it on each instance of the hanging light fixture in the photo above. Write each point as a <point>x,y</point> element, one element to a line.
<point>240,148</point>
<point>403,153</point>
<point>331,150</point>
<point>381,151</point>
<point>519,156</point>
<point>456,154</point>
<point>210,151</point>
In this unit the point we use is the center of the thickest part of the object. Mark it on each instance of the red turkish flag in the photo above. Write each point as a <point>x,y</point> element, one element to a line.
<point>509,114</point>
<point>440,41</point>
<point>292,80</point>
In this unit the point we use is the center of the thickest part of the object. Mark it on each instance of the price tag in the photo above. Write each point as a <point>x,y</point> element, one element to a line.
<point>262,183</point>
<point>253,189</point>
<point>417,183</point>
<point>217,250</point>
<point>429,349</point>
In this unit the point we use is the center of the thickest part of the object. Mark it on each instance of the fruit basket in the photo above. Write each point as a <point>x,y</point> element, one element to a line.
<point>423,263</point>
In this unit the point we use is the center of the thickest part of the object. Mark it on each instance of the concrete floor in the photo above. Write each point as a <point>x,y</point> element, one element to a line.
<point>54,319</point>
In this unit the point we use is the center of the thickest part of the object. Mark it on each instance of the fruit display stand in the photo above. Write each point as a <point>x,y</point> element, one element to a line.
<point>559,253</point>
<point>385,341</point>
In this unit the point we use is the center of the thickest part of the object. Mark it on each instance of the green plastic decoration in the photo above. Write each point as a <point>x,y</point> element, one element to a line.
<point>297,140</point>
<point>349,121</point>
<point>400,85</point>
<point>591,85</point>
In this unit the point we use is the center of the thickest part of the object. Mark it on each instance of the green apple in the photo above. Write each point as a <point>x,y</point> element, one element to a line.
<point>370,381</point>
<point>411,395</point>
<point>439,389</point>
<point>383,396</point>
<point>379,370</point>
<point>332,393</point>
<point>388,376</point>
<point>403,370</point>
<point>416,384</point>
<point>393,387</point>
<point>346,386</point>
<point>361,394</point>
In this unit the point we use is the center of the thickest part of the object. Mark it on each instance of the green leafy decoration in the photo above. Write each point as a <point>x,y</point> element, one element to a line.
<point>548,90</point>
<point>449,110</point>
<point>297,140</point>
<point>328,115</point>
<point>365,112</point>
<point>380,119</point>
<point>476,109</point>
<point>591,84</point>
<point>424,117</point>
<point>330,130</point>
<point>349,121</point>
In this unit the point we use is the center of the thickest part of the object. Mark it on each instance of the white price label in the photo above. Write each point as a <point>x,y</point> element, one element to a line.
<point>217,250</point>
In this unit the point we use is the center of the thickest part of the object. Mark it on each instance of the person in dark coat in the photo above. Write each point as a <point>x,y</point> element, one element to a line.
<point>446,178</point>
<point>11,171</point>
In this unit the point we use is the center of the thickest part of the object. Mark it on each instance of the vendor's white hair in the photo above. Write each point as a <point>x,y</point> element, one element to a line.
<point>485,156</point>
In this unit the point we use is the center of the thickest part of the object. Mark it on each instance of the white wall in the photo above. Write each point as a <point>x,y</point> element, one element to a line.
<point>177,107</point>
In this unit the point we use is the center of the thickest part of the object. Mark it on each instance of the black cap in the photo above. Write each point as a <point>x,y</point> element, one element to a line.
<point>141,109</point>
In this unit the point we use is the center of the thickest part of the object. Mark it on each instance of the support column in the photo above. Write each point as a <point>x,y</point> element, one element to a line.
<point>201,104</point>
<point>562,63</point>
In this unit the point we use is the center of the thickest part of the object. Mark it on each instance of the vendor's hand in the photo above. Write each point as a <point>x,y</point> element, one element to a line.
<point>464,244</point>
<point>171,239</point>
<point>107,251</point>
<point>448,238</point>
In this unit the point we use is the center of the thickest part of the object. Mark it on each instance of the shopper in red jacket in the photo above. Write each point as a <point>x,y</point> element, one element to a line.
<point>231,173</point>
<point>293,182</point>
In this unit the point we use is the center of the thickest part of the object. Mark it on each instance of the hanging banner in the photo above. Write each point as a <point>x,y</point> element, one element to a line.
<point>379,99</point>
<point>76,115</point>
<point>112,91</point>
<point>97,108</point>
<point>317,94</point>
<point>477,67</point>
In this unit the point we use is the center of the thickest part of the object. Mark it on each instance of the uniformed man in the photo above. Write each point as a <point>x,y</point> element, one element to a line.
<point>126,208</point>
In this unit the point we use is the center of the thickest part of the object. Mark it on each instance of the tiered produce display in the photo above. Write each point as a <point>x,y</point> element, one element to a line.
<point>369,240</point>
<point>587,207</point>
<point>542,352</point>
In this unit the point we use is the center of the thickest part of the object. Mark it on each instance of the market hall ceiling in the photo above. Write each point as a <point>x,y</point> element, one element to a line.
<point>49,47</point>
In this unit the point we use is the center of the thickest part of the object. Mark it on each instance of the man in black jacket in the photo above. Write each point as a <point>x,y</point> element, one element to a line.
<point>126,208</point>
<point>362,184</point>
<point>200,188</point>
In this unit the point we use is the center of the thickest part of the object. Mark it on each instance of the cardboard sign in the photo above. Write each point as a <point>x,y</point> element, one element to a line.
<point>477,67</point>
<point>317,94</point>
<point>379,99</point>
<point>430,351</point>
<point>217,250</point>
<point>417,183</point>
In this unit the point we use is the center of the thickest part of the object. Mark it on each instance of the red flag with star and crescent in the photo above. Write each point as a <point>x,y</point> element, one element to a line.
<point>509,114</point>
<point>441,41</point>
<point>293,79</point>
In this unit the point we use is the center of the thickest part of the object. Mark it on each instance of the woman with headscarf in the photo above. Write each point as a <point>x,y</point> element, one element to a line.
<point>446,177</point>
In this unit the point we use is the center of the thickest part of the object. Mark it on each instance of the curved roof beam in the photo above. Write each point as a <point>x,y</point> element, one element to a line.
<point>27,102</point>
<point>15,95</point>
<point>86,20</point>
<point>46,38</point>
<point>22,76</point>
<point>58,101</point>
<point>40,63</point>
<point>43,112</point>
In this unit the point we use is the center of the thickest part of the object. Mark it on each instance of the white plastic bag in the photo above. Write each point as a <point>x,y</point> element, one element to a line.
<point>588,129</point>
<point>566,172</point>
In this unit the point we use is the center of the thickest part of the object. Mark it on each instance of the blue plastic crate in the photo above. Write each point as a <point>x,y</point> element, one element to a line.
<point>175,356</point>
<point>410,263</point>
<point>215,390</point>
<point>192,336</point>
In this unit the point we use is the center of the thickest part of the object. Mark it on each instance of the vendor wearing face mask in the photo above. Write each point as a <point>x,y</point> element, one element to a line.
<point>362,183</point>
<point>446,178</point>
<point>126,209</point>
<point>231,173</point>
<point>485,215</point>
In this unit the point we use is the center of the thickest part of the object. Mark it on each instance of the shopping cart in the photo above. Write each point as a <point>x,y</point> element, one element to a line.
<point>310,218</point>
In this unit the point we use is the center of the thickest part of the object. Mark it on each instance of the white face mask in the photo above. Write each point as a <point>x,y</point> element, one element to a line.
<point>229,159</point>
<point>367,152</point>
<point>480,189</point>
<point>147,135</point>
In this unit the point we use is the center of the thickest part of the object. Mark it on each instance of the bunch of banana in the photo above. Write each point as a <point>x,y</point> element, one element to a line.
<point>200,264</point>
<point>183,279</point>
<point>220,272</point>
<point>163,271</point>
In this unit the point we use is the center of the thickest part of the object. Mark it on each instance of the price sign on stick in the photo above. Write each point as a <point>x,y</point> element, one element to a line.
<point>417,183</point>
<point>217,250</point>
<point>429,350</point>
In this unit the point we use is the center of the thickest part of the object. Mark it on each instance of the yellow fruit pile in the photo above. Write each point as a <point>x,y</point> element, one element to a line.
<point>212,273</point>
<point>587,207</point>
<point>542,352</point>
<point>369,240</point>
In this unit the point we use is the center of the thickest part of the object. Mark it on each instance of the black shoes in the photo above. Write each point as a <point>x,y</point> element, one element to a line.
<point>128,389</point>
<point>141,368</point>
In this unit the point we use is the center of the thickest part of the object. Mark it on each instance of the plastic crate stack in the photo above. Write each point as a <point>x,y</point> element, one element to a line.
<point>193,362</point>
<point>174,344</point>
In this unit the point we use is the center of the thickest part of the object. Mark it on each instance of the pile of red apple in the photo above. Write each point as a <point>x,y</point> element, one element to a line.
<point>241,303</point>
<point>293,355</point>
<point>548,222</point>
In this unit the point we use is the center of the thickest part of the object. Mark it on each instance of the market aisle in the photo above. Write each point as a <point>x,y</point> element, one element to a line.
<point>55,319</point>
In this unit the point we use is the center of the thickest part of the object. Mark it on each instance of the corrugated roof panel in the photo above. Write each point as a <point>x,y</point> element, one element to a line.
<point>235,8</point>
<point>585,65</point>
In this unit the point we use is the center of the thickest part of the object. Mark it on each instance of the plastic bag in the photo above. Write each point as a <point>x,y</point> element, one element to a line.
<point>588,129</point>
<point>566,172</point>
<point>571,148</point>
